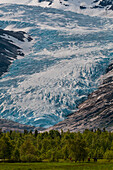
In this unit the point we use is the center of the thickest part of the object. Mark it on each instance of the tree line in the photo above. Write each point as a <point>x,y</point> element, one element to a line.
<point>55,145</point>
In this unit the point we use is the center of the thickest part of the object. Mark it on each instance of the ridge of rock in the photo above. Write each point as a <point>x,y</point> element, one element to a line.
<point>9,50</point>
<point>7,125</point>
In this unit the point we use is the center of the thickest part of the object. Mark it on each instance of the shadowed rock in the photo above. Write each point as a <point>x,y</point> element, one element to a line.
<point>106,4</point>
<point>8,50</point>
<point>7,125</point>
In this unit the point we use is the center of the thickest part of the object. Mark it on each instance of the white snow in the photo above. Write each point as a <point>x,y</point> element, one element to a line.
<point>70,5</point>
<point>25,46</point>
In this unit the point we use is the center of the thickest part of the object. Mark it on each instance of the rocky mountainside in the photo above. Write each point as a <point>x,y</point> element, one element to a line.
<point>9,48</point>
<point>96,111</point>
<point>7,125</point>
<point>51,82</point>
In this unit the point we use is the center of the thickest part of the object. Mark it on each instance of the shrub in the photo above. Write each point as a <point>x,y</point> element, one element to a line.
<point>108,155</point>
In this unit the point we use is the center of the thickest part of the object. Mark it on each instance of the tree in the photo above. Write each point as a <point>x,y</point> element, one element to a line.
<point>5,148</point>
<point>53,155</point>
<point>65,152</point>
<point>36,133</point>
<point>54,133</point>
<point>25,132</point>
<point>16,155</point>
<point>28,151</point>
<point>0,131</point>
<point>77,149</point>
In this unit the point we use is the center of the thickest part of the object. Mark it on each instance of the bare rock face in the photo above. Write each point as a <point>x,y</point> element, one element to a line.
<point>7,125</point>
<point>8,49</point>
<point>96,111</point>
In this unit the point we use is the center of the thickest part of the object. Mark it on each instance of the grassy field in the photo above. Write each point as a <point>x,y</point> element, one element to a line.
<point>100,165</point>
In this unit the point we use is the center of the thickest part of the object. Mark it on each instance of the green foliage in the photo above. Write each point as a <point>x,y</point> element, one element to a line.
<point>28,151</point>
<point>15,155</point>
<point>53,145</point>
<point>108,155</point>
<point>65,151</point>
<point>28,158</point>
<point>53,155</point>
<point>77,149</point>
<point>5,147</point>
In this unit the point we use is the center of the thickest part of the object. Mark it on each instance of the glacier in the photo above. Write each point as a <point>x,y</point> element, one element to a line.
<point>70,51</point>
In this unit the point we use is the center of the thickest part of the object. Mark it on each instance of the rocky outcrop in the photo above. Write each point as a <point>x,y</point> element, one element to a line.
<point>106,4</point>
<point>7,125</point>
<point>96,111</point>
<point>8,49</point>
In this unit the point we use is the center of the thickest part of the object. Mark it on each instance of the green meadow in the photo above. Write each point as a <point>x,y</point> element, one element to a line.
<point>100,165</point>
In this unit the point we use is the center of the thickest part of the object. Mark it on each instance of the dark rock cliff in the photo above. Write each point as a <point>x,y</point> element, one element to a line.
<point>8,50</point>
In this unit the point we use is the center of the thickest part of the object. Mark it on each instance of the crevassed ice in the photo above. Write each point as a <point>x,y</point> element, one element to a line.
<point>69,53</point>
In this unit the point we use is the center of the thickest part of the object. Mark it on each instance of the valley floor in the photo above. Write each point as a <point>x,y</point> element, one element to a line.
<point>100,165</point>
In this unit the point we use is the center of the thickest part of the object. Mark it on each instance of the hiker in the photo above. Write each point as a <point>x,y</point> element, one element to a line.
<point>95,159</point>
<point>88,159</point>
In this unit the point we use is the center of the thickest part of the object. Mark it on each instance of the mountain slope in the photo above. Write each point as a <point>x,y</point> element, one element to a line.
<point>96,111</point>
<point>7,125</point>
<point>10,48</point>
<point>70,53</point>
